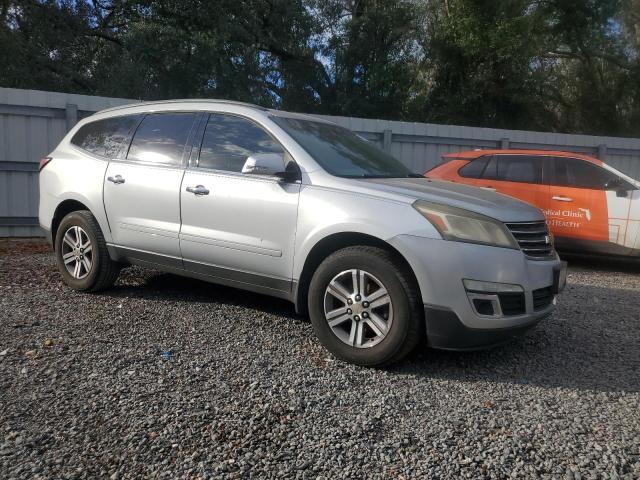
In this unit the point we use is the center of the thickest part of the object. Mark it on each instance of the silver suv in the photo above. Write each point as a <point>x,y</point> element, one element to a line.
<point>297,207</point>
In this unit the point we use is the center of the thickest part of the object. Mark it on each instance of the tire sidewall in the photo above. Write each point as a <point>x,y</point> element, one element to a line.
<point>77,219</point>
<point>386,273</point>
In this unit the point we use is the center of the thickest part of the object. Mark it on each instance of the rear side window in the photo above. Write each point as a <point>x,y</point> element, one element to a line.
<point>514,168</point>
<point>520,168</point>
<point>571,172</point>
<point>106,137</point>
<point>161,138</point>
<point>228,142</point>
<point>474,168</point>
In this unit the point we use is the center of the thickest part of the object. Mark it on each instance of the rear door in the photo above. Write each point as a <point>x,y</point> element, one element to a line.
<point>518,176</point>
<point>237,226</point>
<point>142,189</point>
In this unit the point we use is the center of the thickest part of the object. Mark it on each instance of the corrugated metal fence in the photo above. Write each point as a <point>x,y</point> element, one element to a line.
<point>33,122</point>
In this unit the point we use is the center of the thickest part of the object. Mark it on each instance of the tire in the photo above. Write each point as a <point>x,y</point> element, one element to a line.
<point>102,272</point>
<point>402,316</point>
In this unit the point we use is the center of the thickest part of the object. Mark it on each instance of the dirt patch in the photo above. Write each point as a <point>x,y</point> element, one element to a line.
<point>24,246</point>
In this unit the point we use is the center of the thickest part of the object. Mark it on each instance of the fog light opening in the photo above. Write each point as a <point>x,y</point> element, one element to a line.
<point>496,300</point>
<point>484,307</point>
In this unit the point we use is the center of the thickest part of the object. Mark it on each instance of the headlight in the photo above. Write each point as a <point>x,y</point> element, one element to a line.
<point>464,226</point>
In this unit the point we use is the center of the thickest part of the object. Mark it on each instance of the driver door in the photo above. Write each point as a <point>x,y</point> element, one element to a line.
<point>237,227</point>
<point>585,211</point>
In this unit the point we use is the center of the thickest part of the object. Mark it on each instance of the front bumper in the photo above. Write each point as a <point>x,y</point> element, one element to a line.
<point>452,320</point>
<point>445,331</point>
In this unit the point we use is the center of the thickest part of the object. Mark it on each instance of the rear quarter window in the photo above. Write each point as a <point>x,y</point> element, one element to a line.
<point>108,137</point>
<point>474,168</point>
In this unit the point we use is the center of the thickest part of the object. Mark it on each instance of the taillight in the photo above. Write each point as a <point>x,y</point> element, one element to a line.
<point>44,162</point>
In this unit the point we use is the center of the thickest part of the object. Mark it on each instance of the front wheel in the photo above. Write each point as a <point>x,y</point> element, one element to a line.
<point>81,253</point>
<point>365,307</point>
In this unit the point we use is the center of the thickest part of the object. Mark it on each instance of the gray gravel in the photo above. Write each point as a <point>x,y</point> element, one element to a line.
<point>246,391</point>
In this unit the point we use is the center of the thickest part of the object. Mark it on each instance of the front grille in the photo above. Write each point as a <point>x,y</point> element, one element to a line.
<point>542,298</point>
<point>512,303</point>
<point>533,238</point>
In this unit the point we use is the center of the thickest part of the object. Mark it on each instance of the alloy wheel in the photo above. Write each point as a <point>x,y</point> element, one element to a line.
<point>77,252</point>
<point>358,308</point>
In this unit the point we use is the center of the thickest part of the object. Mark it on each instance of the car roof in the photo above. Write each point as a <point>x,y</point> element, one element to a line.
<point>473,154</point>
<point>192,101</point>
<point>207,102</point>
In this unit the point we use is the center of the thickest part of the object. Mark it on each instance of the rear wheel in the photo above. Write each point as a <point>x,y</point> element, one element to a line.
<point>81,253</point>
<point>365,307</point>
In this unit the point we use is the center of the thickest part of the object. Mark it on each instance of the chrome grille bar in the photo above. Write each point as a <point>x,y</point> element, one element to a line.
<point>533,237</point>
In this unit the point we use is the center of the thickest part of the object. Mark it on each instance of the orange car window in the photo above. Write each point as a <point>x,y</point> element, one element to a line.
<point>514,168</point>
<point>571,172</point>
<point>520,168</point>
<point>474,168</point>
<point>491,170</point>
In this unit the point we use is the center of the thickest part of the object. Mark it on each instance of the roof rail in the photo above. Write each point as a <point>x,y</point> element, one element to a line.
<point>187,100</point>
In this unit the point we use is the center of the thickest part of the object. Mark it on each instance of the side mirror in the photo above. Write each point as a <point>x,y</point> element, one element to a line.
<point>618,185</point>
<point>613,184</point>
<point>264,164</point>
<point>272,164</point>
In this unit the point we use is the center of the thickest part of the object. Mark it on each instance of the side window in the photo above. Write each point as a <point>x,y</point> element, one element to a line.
<point>474,168</point>
<point>491,172</point>
<point>514,168</point>
<point>229,140</point>
<point>520,168</point>
<point>161,138</point>
<point>572,172</point>
<point>106,137</point>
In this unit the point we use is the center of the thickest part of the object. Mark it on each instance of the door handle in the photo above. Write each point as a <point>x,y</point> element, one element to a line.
<point>198,190</point>
<point>491,189</point>
<point>562,199</point>
<point>117,179</point>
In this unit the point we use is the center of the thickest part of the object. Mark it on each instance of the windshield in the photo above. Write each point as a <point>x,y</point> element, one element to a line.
<point>341,152</point>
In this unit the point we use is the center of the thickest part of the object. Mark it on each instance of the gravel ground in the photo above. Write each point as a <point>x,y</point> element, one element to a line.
<point>246,391</point>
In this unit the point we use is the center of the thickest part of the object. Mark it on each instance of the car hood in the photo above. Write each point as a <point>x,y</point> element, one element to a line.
<point>485,202</point>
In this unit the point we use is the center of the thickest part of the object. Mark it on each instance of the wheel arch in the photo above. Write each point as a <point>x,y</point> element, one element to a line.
<point>332,243</point>
<point>63,209</point>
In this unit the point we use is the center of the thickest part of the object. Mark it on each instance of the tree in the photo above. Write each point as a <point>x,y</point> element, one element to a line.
<point>53,45</point>
<point>371,53</point>
<point>559,65</point>
<point>483,64</point>
<point>595,72</point>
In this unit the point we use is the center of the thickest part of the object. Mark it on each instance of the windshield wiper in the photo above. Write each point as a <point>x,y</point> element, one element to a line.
<point>415,175</point>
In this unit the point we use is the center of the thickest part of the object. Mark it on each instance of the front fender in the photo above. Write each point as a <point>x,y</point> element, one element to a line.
<point>323,212</point>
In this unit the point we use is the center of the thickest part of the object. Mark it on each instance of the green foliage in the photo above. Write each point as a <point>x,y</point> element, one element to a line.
<point>484,65</point>
<point>553,65</point>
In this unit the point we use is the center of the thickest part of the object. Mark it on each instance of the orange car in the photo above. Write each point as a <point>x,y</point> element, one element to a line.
<point>590,206</point>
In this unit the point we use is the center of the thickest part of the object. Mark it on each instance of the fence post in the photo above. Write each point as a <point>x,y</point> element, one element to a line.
<point>602,152</point>
<point>386,140</point>
<point>71,115</point>
<point>504,143</point>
